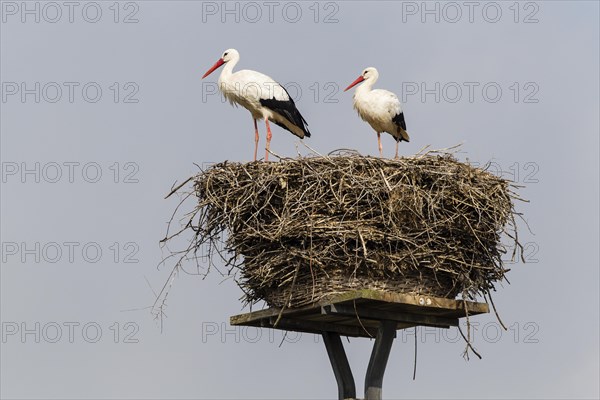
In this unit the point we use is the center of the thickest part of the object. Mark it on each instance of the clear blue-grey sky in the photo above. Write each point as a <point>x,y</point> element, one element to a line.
<point>103,109</point>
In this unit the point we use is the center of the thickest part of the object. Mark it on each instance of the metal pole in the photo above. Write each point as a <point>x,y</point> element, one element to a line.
<point>379,358</point>
<point>341,367</point>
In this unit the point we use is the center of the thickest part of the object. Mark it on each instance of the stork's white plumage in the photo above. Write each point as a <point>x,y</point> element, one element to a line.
<point>261,95</point>
<point>380,108</point>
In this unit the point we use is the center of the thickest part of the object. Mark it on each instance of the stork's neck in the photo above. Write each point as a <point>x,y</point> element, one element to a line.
<point>367,85</point>
<point>228,69</point>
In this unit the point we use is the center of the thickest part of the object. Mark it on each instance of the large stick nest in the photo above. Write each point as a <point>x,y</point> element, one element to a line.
<point>302,229</point>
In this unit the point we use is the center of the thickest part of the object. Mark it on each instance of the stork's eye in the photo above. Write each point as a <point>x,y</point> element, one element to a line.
<point>225,54</point>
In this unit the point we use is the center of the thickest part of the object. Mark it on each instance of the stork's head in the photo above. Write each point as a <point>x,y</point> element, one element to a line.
<point>370,74</point>
<point>228,55</point>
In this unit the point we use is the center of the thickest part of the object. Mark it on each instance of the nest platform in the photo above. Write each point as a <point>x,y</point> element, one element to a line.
<point>359,313</point>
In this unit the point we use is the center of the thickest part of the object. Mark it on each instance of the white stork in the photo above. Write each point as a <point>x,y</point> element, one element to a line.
<point>380,108</point>
<point>260,95</point>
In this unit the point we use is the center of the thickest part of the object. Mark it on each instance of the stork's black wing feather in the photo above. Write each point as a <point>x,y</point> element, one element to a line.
<point>288,110</point>
<point>401,133</point>
<point>399,120</point>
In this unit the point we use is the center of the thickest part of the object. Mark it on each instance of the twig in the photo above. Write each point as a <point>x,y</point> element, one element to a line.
<point>469,345</point>
<point>415,364</point>
<point>179,187</point>
<point>489,294</point>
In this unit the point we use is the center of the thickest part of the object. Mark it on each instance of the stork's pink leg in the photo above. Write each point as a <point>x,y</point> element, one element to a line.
<point>379,143</point>
<point>255,139</point>
<point>268,139</point>
<point>396,157</point>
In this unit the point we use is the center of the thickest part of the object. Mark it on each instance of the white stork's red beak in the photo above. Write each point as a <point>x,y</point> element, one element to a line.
<point>356,82</point>
<point>217,65</point>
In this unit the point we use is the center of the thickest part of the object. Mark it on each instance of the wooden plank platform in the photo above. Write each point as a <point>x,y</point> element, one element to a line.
<point>359,313</point>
